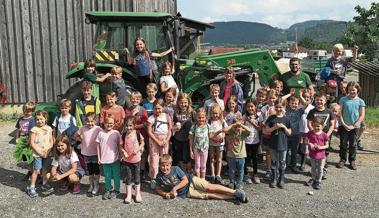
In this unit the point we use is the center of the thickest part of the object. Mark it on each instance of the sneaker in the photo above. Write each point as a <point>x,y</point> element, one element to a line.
<point>46,187</point>
<point>353,166</point>
<point>76,188</point>
<point>114,194</point>
<point>340,164</point>
<point>247,180</point>
<point>309,183</point>
<point>32,192</point>
<point>231,185</point>
<point>27,176</point>
<point>316,185</point>
<point>255,179</point>
<point>218,180</point>
<point>153,184</point>
<point>64,186</point>
<point>241,196</point>
<point>107,195</point>
<point>267,176</point>
<point>212,179</point>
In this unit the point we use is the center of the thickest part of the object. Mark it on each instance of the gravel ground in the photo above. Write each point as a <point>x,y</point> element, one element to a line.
<point>345,193</point>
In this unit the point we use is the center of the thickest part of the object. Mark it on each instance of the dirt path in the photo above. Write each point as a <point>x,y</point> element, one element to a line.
<point>345,193</point>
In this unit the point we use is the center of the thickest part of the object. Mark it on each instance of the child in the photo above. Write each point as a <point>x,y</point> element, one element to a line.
<point>133,144</point>
<point>277,85</point>
<point>87,136</point>
<point>89,75</point>
<point>236,135</point>
<point>87,104</point>
<point>279,127</point>
<point>183,117</point>
<point>113,109</point>
<point>260,98</point>
<point>317,141</point>
<point>118,85</point>
<point>231,112</point>
<point>328,120</point>
<point>253,121</point>
<point>140,115</point>
<point>166,81</point>
<point>65,120</point>
<point>267,111</point>
<point>41,141</point>
<point>147,103</point>
<point>141,58</point>
<point>215,92</point>
<point>66,165</point>
<point>172,182</point>
<point>24,125</point>
<point>199,142</point>
<point>294,112</point>
<point>305,96</point>
<point>216,143</point>
<point>108,144</point>
<point>353,114</point>
<point>159,130</point>
<point>170,101</point>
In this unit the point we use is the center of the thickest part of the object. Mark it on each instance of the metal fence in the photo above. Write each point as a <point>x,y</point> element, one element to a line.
<point>39,39</point>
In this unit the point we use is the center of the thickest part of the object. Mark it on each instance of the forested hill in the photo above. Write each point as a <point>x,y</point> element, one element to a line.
<point>240,32</point>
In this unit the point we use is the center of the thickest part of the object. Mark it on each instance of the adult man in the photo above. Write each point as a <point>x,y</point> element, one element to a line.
<point>295,78</point>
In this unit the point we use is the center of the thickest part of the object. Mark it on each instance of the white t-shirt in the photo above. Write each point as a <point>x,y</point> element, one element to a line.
<point>303,124</point>
<point>169,83</point>
<point>159,124</point>
<point>216,126</point>
<point>63,123</point>
<point>65,163</point>
<point>253,138</point>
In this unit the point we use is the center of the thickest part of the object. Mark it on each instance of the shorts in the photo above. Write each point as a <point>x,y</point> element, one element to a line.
<point>198,188</point>
<point>214,149</point>
<point>90,159</point>
<point>79,174</point>
<point>41,163</point>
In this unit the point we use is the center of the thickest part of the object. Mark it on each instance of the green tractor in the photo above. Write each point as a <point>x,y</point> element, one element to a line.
<point>118,30</point>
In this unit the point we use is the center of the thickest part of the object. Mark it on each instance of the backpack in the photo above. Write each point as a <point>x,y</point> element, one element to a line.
<point>70,131</point>
<point>157,123</point>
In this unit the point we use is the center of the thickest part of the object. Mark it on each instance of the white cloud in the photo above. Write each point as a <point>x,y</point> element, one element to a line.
<point>278,13</point>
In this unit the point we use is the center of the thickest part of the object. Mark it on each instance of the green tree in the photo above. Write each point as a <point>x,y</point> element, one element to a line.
<point>307,42</point>
<point>365,31</point>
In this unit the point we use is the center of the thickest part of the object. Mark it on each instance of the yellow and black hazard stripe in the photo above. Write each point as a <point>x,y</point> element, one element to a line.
<point>102,55</point>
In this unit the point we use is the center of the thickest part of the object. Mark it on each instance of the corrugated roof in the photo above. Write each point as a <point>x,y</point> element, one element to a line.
<point>367,67</point>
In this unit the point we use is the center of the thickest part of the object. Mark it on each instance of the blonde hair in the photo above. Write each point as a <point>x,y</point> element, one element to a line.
<point>65,103</point>
<point>214,87</point>
<point>152,86</point>
<point>29,106</point>
<point>165,158</point>
<point>136,94</point>
<point>277,83</point>
<point>338,46</point>
<point>335,106</point>
<point>272,93</point>
<point>109,117</point>
<point>180,97</point>
<point>217,107</point>
<point>116,70</point>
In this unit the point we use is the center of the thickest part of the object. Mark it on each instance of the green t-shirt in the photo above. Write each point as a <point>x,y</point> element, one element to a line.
<point>235,143</point>
<point>298,82</point>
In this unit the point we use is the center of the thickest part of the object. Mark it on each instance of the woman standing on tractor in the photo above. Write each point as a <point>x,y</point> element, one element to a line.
<point>141,59</point>
<point>230,86</point>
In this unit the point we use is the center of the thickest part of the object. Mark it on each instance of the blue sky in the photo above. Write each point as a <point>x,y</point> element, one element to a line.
<point>277,13</point>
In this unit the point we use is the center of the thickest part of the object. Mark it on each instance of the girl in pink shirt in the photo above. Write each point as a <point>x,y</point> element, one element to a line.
<point>133,146</point>
<point>109,142</point>
<point>87,136</point>
<point>317,141</point>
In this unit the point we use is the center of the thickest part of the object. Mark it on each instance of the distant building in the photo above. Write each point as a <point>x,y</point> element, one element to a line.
<point>317,54</point>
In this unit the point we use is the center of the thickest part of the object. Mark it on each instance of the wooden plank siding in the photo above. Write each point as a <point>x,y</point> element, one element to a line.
<point>39,39</point>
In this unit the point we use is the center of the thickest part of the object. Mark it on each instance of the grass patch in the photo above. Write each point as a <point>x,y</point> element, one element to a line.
<point>372,117</point>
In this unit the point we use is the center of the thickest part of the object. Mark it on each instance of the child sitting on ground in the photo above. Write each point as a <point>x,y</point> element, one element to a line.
<point>172,182</point>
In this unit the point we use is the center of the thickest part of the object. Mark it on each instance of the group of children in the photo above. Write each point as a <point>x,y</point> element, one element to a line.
<point>141,136</point>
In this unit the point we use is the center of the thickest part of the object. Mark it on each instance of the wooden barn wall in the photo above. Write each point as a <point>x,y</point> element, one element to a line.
<point>39,39</point>
<point>369,89</point>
